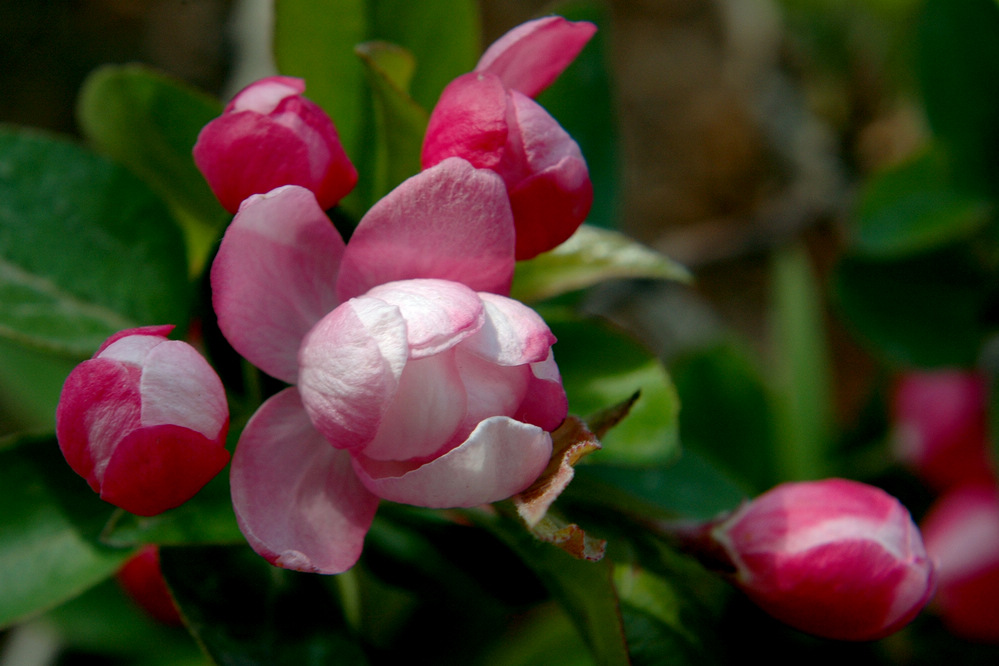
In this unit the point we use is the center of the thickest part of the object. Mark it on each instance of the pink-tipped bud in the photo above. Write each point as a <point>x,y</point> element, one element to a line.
<point>489,118</point>
<point>961,531</point>
<point>269,136</point>
<point>835,558</point>
<point>940,427</point>
<point>142,579</point>
<point>144,421</point>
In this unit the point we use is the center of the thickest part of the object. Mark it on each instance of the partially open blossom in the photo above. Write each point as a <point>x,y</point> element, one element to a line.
<point>142,579</point>
<point>144,421</point>
<point>269,136</point>
<point>489,118</point>
<point>961,531</point>
<point>414,378</point>
<point>940,427</point>
<point>835,558</point>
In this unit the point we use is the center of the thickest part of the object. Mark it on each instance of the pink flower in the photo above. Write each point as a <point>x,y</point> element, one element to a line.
<point>144,421</point>
<point>142,579</point>
<point>941,429</point>
<point>835,558</point>
<point>269,136</point>
<point>489,118</point>
<point>961,532</point>
<point>413,378</point>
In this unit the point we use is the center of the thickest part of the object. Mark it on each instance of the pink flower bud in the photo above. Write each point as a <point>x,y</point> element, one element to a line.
<point>488,118</point>
<point>835,558</point>
<point>940,427</point>
<point>142,579</point>
<point>961,532</point>
<point>269,136</point>
<point>144,421</point>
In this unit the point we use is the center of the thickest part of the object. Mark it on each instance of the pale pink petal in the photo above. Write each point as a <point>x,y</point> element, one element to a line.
<point>500,458</point>
<point>297,499</point>
<point>452,222</point>
<point>439,314</point>
<point>545,403</point>
<point>512,333</point>
<point>469,121</point>
<point>351,364</point>
<point>532,55</point>
<point>179,388</point>
<point>425,412</point>
<point>264,95</point>
<point>491,389</point>
<point>160,331</point>
<point>274,276</point>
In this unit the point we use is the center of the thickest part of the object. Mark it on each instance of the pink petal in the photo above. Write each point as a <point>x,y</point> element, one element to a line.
<point>532,55</point>
<point>264,95</point>
<point>468,121</point>
<point>491,389</point>
<point>439,314</point>
<point>452,221</point>
<point>499,459</point>
<point>179,387</point>
<point>351,364</point>
<point>274,276</point>
<point>425,412</point>
<point>512,333</point>
<point>545,403</point>
<point>549,207</point>
<point>297,500</point>
<point>160,331</point>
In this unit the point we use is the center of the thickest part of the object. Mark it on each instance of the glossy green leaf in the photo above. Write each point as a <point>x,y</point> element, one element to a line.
<point>590,256</point>
<point>585,589</point>
<point>582,99</point>
<point>546,637</point>
<point>149,122</point>
<point>927,310</point>
<point>802,368</point>
<point>602,367</point>
<point>49,522</point>
<point>86,249</point>
<point>400,123</point>
<point>958,62</point>
<point>914,207</point>
<point>245,611</point>
<point>29,405</point>
<point>728,413</point>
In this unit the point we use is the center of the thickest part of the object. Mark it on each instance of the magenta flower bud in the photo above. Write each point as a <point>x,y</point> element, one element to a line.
<point>142,579</point>
<point>144,421</point>
<point>940,427</point>
<point>269,136</point>
<point>835,558</point>
<point>488,117</point>
<point>961,532</point>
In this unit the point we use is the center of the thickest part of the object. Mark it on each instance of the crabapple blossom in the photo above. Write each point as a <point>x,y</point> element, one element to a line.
<point>414,378</point>
<point>144,421</point>
<point>268,136</point>
<point>835,558</point>
<point>940,427</point>
<point>489,118</point>
<point>961,531</point>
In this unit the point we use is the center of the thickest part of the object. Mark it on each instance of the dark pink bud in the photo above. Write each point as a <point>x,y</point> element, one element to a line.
<point>142,579</point>
<point>488,118</point>
<point>940,427</point>
<point>835,558</point>
<point>144,421</point>
<point>269,136</point>
<point>961,532</point>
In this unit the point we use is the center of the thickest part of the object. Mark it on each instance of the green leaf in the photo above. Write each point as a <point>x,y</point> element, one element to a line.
<point>29,405</point>
<point>150,122</point>
<point>86,249</point>
<point>584,588</point>
<point>602,367</point>
<point>546,637</point>
<point>928,310</point>
<point>400,123</point>
<point>245,611</point>
<point>913,207</point>
<point>590,256</point>
<point>728,413</point>
<point>582,100</point>
<point>958,61</point>
<point>49,521</point>
<point>803,382</point>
